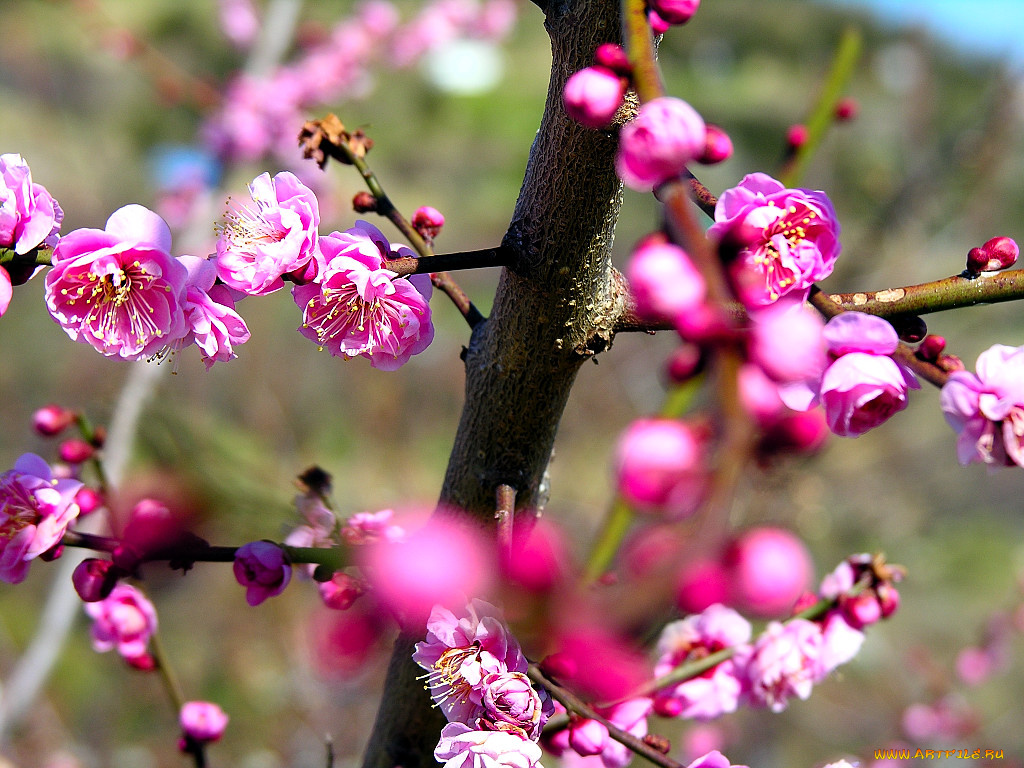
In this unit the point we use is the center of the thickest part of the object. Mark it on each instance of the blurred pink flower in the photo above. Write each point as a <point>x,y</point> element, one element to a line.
<point>261,567</point>
<point>238,22</point>
<point>785,239</point>
<point>656,146</point>
<point>276,235</point>
<point>118,289</point>
<point>36,509</point>
<point>675,11</point>
<point>769,568</point>
<point>840,642</point>
<point>786,341</point>
<point>358,307</point>
<point>629,715</point>
<point>29,216</point>
<point>784,663</point>
<point>368,527</point>
<point>663,280</point>
<point>462,747</point>
<point>124,620</point>
<point>660,466</point>
<point>202,721</point>
<point>986,409</point>
<point>593,95</point>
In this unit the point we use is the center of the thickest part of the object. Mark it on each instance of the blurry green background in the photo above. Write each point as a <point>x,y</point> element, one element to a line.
<point>933,166</point>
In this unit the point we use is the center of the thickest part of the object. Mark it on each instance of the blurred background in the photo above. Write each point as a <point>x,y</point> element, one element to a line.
<point>106,98</point>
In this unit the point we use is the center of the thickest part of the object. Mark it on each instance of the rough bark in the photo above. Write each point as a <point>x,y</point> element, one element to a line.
<point>553,309</point>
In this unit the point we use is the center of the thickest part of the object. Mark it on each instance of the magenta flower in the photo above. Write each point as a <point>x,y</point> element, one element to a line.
<point>675,11</point>
<point>213,325</point>
<point>512,704</point>
<point>358,307</point>
<point>786,239</point>
<point>656,146</point>
<point>462,747</point>
<point>660,466</point>
<point>118,289</point>
<point>786,341</point>
<point>986,409</point>
<point>769,568</point>
<point>664,281</point>
<point>840,642</point>
<point>124,620</point>
<point>202,721</point>
<point>593,95</point>
<point>459,653</point>
<point>629,715</point>
<point>368,527</point>
<point>35,510</point>
<point>29,216</point>
<point>262,567</point>
<point>784,663</point>
<point>714,759</point>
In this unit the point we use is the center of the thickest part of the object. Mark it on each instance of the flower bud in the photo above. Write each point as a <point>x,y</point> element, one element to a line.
<point>997,253</point>
<point>675,11</point>
<point>94,579</point>
<point>143,663</point>
<point>364,202</point>
<point>717,146</point>
<point>846,109</point>
<point>656,146</point>
<point>888,598</point>
<point>769,568</point>
<point>263,569</point>
<point>685,363</point>
<point>701,583</point>
<point>930,349</point>
<point>661,467</point>
<point>75,451</point>
<point>909,328</point>
<point>340,591</point>
<point>88,500</point>
<point>593,95</point>
<point>860,610</point>
<point>658,25</point>
<point>51,420</point>
<point>588,737</point>
<point>202,721</point>
<point>664,281</point>
<point>805,601</point>
<point>613,57</point>
<point>428,222</point>
<point>796,137</point>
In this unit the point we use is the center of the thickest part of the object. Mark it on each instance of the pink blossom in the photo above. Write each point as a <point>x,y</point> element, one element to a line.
<point>768,568</point>
<point>124,620</point>
<point>202,721</point>
<point>629,715</point>
<point>427,221</point>
<point>593,95</point>
<point>262,567</point>
<point>784,663</point>
<point>358,307</point>
<point>785,239</point>
<point>587,737</point>
<point>664,281</point>
<point>656,146</point>
<point>213,324</point>
<point>36,509</point>
<point>6,290</point>
<point>118,289</point>
<point>511,704</point>
<point>701,583</point>
<point>238,22</point>
<point>986,409</point>
<point>276,235</point>
<point>675,11</point>
<point>713,759</point>
<point>460,651</point>
<point>93,579</point>
<point>368,527</point>
<point>660,466</point>
<point>840,642</point>
<point>787,341</point>
<point>341,591</point>
<point>29,216</point>
<point>462,747</point>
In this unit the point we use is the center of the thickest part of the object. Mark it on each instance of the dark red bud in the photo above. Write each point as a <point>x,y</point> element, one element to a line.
<point>51,420</point>
<point>143,663</point>
<point>888,598</point>
<point>950,363</point>
<point>860,610</point>
<point>847,109</point>
<point>931,347</point>
<point>717,146</point>
<point>94,579</point>
<point>364,202</point>
<point>910,328</point>
<point>1002,253</point>
<point>660,743</point>
<point>686,362</point>
<point>75,451</point>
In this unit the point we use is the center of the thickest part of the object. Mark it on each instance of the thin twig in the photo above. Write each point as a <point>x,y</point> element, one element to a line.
<point>505,502</point>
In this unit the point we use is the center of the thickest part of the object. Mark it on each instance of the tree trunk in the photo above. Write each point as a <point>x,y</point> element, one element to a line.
<point>553,309</point>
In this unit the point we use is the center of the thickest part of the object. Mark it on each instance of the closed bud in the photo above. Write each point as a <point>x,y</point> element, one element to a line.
<point>143,663</point>
<point>658,25</point>
<point>846,109</point>
<point>658,742</point>
<point>931,347</point>
<point>94,579</point>
<point>593,95</point>
<point>51,420</point>
<point>717,146</point>
<point>428,222</point>
<point>796,137</point>
<point>860,610</point>
<point>674,11</point>
<point>1002,253</point>
<point>888,598</point>
<point>612,57</point>
<point>364,202</point>
<point>88,500</point>
<point>75,451</point>
<point>910,328</point>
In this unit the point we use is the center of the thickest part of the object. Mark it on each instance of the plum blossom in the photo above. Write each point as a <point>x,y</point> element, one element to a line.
<point>367,527</point>
<point>202,721</point>
<point>714,759</point>
<point>262,567</point>
<point>275,236</point>
<point>986,408</point>
<point>769,568</point>
<point>118,289</point>
<point>656,146</point>
<point>660,466</point>
<point>36,509</point>
<point>629,715</point>
<point>358,307</point>
<point>783,663</point>
<point>663,280</point>
<point>124,620</point>
<point>459,653</point>
<point>785,239</point>
<point>462,747</point>
<point>593,95</point>
<point>512,704</point>
<point>29,216</point>
<point>213,324</point>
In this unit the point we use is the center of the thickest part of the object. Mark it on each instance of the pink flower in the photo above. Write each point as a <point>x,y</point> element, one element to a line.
<point>428,222</point>
<point>202,721</point>
<point>713,759</point>
<point>341,591</point>
<point>660,466</point>
<point>460,651</point>
<point>213,324</point>
<point>262,567</point>
<point>35,510</point>
<point>769,568</point>
<point>274,236</point>
<point>6,290</point>
<point>125,620</point>
<point>29,216</point>
<point>785,239</point>
<point>786,341</point>
<point>368,527</point>
<point>784,663</point>
<point>118,289</point>
<point>656,147</point>
<point>629,715</point>
<point>511,704</point>
<point>593,95</point>
<point>93,579</point>
<point>462,747</point>
<point>358,307</point>
<point>840,642</point>
<point>675,11</point>
<point>664,281</point>
<point>986,409</point>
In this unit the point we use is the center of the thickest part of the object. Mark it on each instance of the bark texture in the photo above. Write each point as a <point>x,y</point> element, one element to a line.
<point>553,309</point>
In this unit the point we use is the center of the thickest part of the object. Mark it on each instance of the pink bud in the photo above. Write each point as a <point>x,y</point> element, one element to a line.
<point>846,109</point>
<point>202,721</point>
<point>341,591</point>
<point>593,95</point>
<point>717,146</point>
<point>261,567</point>
<point>686,362</point>
<point>701,583</point>
<point>94,579</point>
<point>613,57</point>
<point>588,737</point>
<point>364,202</point>
<point>664,281</point>
<point>800,432</point>
<point>805,601</point>
<point>655,147</point>
<point>51,420</point>
<point>769,569</point>
<point>931,347</point>
<point>860,610</point>
<point>660,466</point>
<point>668,706</point>
<point>675,11</point>
<point>144,662</point>
<point>796,136</point>
<point>888,598</point>
<point>538,559</point>
<point>428,222</point>
<point>75,451</point>
<point>997,253</point>
<point>88,500</point>
<point>658,25</point>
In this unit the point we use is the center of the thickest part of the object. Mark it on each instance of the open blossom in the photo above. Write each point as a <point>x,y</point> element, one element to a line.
<point>124,620</point>
<point>358,307</point>
<point>986,408</point>
<point>213,325</point>
<point>785,239</point>
<point>274,236</point>
<point>784,663</point>
<point>29,216</point>
<point>462,747</point>
<point>459,653</point>
<point>35,510</point>
<point>118,289</point>
<point>656,146</point>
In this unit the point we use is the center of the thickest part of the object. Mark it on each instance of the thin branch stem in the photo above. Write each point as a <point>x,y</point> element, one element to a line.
<point>444,262</point>
<point>636,31</point>
<point>444,283</point>
<point>505,502</point>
